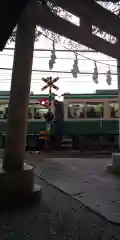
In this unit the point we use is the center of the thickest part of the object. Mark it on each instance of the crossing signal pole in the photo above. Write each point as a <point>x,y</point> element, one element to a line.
<point>50,84</point>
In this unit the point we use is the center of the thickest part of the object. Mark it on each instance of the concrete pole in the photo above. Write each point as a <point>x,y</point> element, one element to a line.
<point>19,95</point>
<point>118,80</point>
<point>115,166</point>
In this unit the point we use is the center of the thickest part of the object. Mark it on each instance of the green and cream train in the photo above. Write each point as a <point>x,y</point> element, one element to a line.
<point>86,118</point>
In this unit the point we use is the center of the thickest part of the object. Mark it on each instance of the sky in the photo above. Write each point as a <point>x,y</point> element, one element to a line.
<point>64,62</point>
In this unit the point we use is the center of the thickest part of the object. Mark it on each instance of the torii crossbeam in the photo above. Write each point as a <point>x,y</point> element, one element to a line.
<point>81,34</point>
<point>94,13</point>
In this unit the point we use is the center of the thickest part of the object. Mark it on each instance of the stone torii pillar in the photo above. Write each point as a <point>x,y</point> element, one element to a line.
<point>16,178</point>
<point>115,166</point>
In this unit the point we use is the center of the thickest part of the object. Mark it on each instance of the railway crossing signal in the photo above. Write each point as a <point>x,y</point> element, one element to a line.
<point>50,83</point>
<point>44,102</point>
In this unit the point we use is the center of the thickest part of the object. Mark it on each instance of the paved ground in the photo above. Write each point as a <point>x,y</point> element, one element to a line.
<point>84,179</point>
<point>58,216</point>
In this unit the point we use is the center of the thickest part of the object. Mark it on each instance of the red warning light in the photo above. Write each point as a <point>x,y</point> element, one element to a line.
<point>43,102</point>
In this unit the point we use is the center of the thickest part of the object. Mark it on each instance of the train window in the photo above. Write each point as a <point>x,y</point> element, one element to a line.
<point>76,110</point>
<point>2,111</point>
<point>113,110</point>
<point>5,116</point>
<point>30,112</point>
<point>39,113</point>
<point>94,110</point>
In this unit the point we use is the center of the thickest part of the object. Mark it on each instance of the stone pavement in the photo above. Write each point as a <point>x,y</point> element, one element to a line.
<point>58,216</point>
<point>85,180</point>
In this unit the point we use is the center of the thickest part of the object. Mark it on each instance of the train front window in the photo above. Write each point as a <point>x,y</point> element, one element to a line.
<point>76,110</point>
<point>113,110</point>
<point>94,110</point>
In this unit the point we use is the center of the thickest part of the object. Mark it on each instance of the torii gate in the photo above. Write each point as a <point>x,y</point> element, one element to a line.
<point>16,177</point>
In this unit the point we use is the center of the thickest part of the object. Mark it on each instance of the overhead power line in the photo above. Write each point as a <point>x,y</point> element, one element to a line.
<point>61,58</point>
<point>93,60</point>
<point>57,50</point>
<point>56,71</point>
